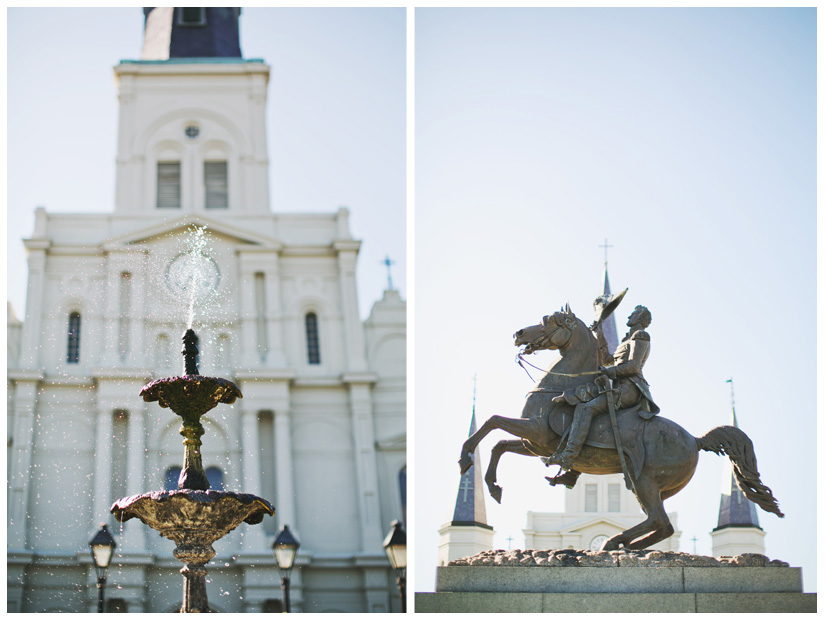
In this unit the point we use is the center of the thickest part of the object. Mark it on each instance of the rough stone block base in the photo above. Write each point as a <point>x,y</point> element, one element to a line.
<point>614,602</point>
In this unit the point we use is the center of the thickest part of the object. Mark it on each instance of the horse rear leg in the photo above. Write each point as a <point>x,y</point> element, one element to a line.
<point>505,446</point>
<point>653,538</point>
<point>528,428</point>
<point>656,524</point>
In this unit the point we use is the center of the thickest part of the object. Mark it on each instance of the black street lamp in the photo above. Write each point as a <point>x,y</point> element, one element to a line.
<point>102,547</point>
<point>395,545</point>
<point>285,549</point>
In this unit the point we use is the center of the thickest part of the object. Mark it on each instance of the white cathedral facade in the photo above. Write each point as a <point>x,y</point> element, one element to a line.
<point>321,428</point>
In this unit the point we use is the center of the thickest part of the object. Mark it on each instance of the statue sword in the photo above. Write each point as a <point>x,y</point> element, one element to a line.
<point>605,386</point>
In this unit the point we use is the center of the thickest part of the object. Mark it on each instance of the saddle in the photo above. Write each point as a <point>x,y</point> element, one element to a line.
<point>631,421</point>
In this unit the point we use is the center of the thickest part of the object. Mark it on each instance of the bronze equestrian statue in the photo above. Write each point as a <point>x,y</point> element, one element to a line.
<point>657,456</point>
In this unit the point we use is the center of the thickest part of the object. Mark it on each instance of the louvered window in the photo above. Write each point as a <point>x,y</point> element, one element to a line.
<point>217,186</point>
<point>73,349</point>
<point>313,346</point>
<point>614,498</point>
<point>169,185</point>
<point>591,497</point>
<point>192,16</point>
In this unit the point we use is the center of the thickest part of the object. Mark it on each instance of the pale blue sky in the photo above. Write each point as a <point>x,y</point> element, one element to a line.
<point>336,120</point>
<point>687,137</point>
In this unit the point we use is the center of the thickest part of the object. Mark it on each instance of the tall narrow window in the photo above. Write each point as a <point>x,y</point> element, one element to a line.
<point>169,185</point>
<point>217,185</point>
<point>591,497</point>
<point>73,349</point>
<point>313,346</point>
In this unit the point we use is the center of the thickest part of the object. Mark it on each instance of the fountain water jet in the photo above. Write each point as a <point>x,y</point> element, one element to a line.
<point>193,516</point>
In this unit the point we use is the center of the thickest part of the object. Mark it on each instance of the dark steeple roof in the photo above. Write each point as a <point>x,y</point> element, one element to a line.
<point>469,503</point>
<point>609,324</point>
<point>734,509</point>
<point>191,32</point>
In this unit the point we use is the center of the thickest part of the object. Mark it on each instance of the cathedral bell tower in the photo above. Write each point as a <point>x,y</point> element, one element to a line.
<point>192,128</point>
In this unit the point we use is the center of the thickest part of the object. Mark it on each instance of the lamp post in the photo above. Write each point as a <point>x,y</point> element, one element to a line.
<point>285,550</point>
<point>102,547</point>
<point>395,545</point>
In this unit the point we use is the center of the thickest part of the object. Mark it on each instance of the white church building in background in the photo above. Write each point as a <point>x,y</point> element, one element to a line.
<point>321,428</point>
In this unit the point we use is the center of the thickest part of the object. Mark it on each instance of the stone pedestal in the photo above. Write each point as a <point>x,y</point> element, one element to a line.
<point>645,581</point>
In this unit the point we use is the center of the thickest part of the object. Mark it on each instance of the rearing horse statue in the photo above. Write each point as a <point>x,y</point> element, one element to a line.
<point>663,453</point>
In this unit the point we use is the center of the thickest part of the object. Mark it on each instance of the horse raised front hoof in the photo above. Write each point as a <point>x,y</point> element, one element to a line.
<point>465,463</point>
<point>495,492</point>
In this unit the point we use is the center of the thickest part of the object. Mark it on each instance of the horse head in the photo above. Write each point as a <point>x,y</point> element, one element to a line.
<point>555,331</point>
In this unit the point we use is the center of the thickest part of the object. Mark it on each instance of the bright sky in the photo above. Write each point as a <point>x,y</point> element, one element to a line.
<point>687,137</point>
<point>336,120</point>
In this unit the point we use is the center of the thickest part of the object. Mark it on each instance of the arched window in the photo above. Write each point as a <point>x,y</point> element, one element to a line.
<point>215,478</point>
<point>73,348</point>
<point>172,476</point>
<point>213,475</point>
<point>402,489</point>
<point>313,346</point>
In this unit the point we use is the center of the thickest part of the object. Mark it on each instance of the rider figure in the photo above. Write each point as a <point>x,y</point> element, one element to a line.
<point>630,386</point>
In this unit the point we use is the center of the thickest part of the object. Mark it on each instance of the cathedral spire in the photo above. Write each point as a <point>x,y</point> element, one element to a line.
<point>609,325</point>
<point>191,32</point>
<point>469,503</point>
<point>734,508</point>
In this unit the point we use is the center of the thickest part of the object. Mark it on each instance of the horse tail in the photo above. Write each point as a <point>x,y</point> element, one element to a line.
<point>734,443</point>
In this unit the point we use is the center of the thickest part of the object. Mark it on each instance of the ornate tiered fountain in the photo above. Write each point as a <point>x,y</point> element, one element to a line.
<point>193,516</point>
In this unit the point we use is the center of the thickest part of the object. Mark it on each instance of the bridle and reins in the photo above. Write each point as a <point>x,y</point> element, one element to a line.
<point>538,344</point>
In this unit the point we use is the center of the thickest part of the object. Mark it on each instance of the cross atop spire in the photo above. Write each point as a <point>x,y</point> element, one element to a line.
<point>732,403</point>
<point>605,245</point>
<point>388,263</point>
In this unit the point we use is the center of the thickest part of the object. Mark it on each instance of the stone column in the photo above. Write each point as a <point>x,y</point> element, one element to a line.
<point>275,315</point>
<point>128,194</point>
<point>256,165</point>
<point>33,321</point>
<point>115,264</point>
<point>366,468</point>
<point>249,358</point>
<point>355,357</point>
<point>284,469</point>
<point>103,465</point>
<point>25,403</point>
<point>133,533</point>
<point>140,355</point>
<point>251,458</point>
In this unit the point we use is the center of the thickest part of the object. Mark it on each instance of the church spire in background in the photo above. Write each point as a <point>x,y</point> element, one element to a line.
<point>469,503</point>
<point>609,325</point>
<point>734,508</point>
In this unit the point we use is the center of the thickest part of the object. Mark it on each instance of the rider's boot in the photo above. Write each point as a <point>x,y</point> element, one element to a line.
<point>578,434</point>
<point>568,479</point>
